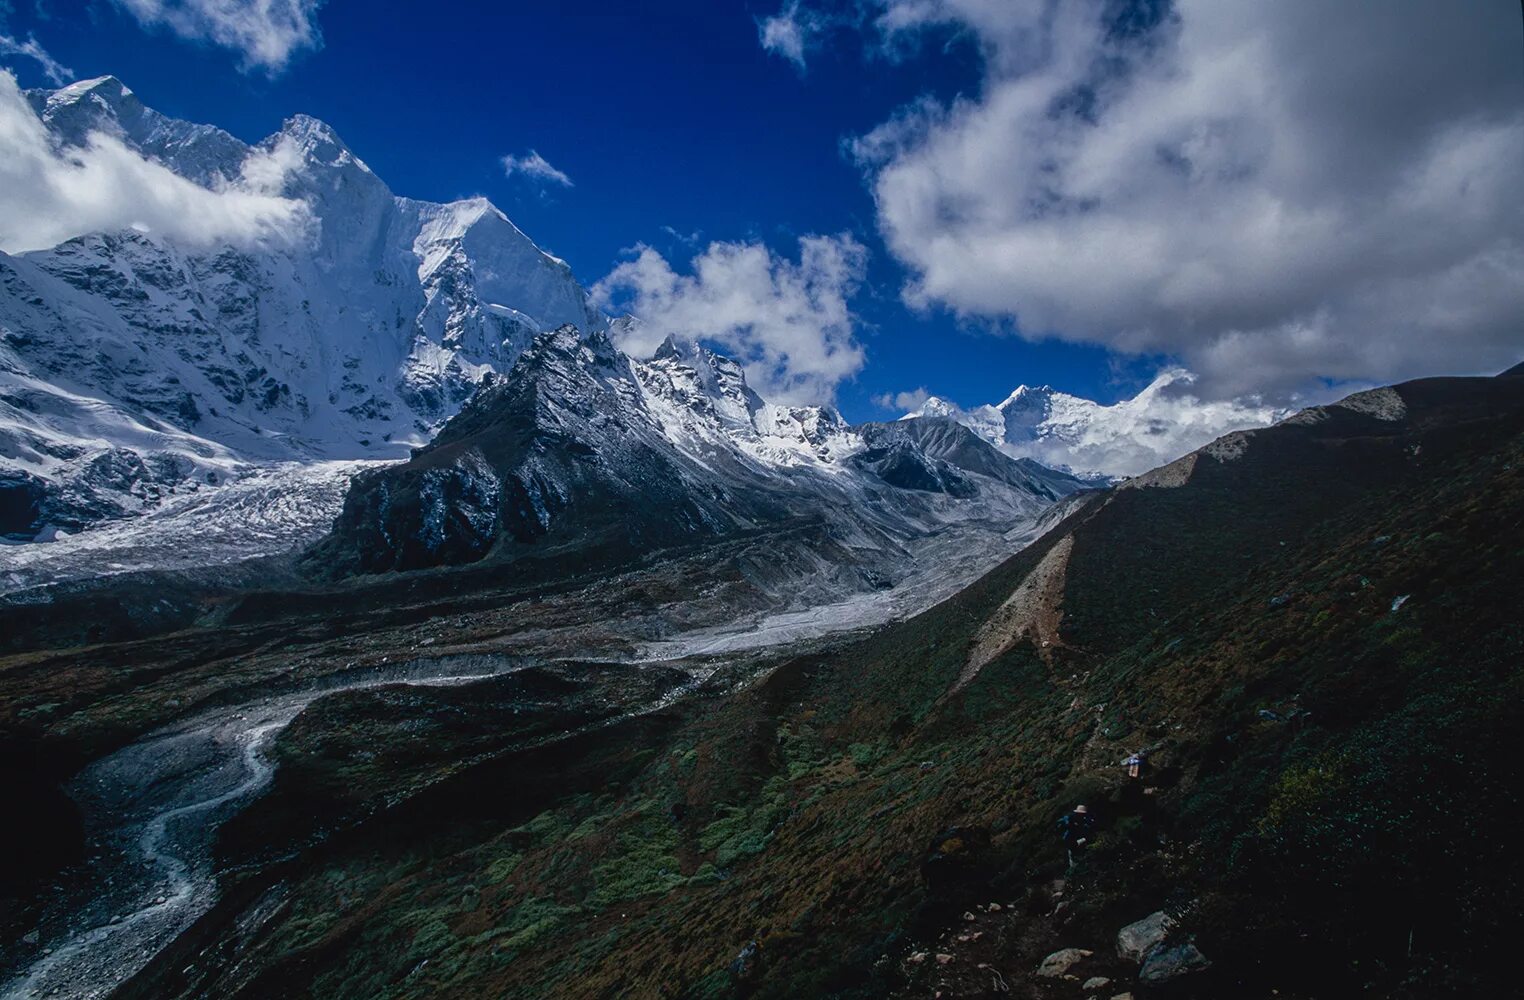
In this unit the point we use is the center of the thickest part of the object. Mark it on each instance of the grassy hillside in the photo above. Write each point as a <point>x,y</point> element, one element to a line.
<point>1314,632</point>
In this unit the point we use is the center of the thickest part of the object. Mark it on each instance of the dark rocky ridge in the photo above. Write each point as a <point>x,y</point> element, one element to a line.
<point>566,452</point>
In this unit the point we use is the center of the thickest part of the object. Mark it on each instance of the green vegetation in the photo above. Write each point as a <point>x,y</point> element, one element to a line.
<point>1334,787</point>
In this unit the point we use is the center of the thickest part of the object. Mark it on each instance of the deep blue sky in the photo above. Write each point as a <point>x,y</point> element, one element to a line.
<point>666,113</point>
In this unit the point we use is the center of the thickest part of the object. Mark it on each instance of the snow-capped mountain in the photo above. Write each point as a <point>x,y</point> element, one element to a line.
<point>1158,425</point>
<point>134,364</point>
<point>587,455</point>
<point>138,366</point>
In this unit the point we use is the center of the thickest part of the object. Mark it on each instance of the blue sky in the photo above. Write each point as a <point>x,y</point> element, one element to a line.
<point>670,117</point>
<point>673,118</point>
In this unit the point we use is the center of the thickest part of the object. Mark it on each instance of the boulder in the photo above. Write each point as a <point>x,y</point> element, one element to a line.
<point>1165,965</point>
<point>1060,962</point>
<point>1096,983</point>
<point>1136,940</point>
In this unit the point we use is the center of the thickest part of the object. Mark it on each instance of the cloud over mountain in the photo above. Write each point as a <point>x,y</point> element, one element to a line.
<point>788,322</point>
<point>1271,192</point>
<point>48,195</point>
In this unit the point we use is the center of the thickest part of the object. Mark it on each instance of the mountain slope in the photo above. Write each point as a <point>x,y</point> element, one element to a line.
<point>1319,753</point>
<point>174,363</point>
<point>581,452</point>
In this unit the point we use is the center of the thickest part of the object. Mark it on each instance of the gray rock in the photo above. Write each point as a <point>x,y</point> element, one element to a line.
<point>1136,939</point>
<point>1096,983</point>
<point>1060,962</point>
<point>1165,965</point>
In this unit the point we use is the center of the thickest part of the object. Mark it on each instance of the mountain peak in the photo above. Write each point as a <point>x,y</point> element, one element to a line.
<point>670,349</point>
<point>1087,438</point>
<point>106,88</point>
<point>104,104</point>
<point>1028,395</point>
<point>318,141</point>
<point>934,406</point>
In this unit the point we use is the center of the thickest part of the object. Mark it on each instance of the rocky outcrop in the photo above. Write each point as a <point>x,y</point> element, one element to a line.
<point>1058,964</point>
<point>1136,940</point>
<point>1165,965</point>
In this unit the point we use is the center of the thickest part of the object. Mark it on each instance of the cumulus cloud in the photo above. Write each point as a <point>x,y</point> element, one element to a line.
<point>265,33</point>
<point>1272,192</point>
<point>48,195</point>
<point>536,167</point>
<point>913,399</point>
<point>31,49</point>
<point>788,322</point>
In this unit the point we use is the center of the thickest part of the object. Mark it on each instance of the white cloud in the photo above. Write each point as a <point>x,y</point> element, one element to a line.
<point>1272,192</point>
<point>788,32</point>
<point>914,399</point>
<point>49,195</point>
<point>266,33</point>
<point>535,166</point>
<point>788,323</point>
<point>31,49</point>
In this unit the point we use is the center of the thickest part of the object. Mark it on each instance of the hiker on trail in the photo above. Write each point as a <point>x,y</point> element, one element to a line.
<point>1075,829</point>
<point>1135,765</point>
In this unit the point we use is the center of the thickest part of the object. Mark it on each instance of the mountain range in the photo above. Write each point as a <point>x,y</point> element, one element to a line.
<point>1162,422</point>
<point>141,366</point>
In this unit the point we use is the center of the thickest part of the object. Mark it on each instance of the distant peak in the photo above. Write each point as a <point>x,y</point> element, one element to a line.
<point>300,124</point>
<point>1028,395</point>
<point>476,208</point>
<point>91,97</point>
<point>104,86</point>
<point>317,139</point>
<point>934,406</point>
<point>669,350</point>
